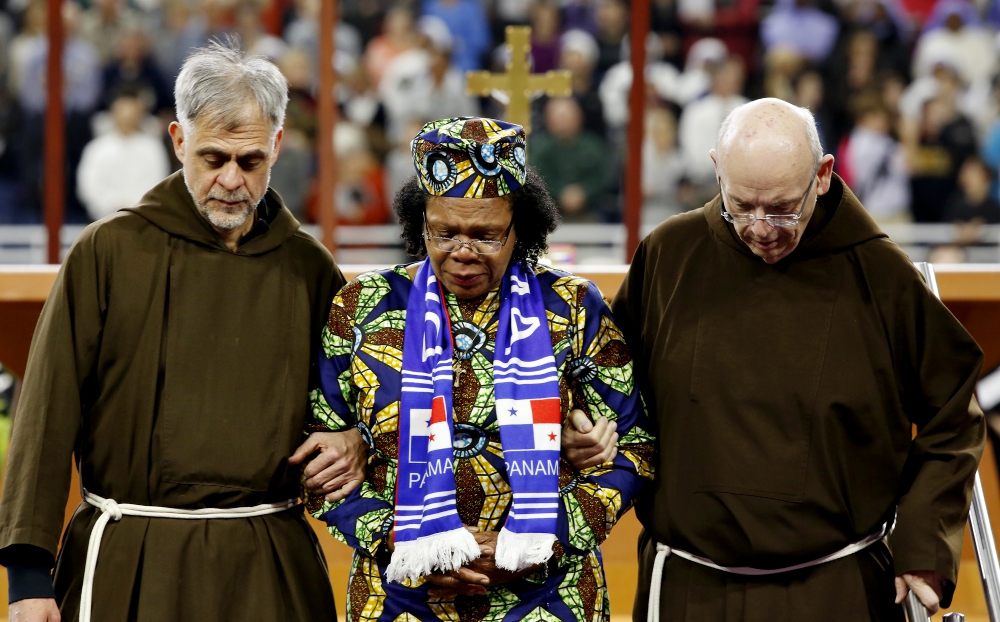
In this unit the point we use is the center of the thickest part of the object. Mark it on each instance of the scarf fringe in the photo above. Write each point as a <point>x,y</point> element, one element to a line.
<point>517,551</point>
<point>440,552</point>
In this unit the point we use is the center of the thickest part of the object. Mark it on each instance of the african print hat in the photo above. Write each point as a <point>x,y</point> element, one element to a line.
<point>469,158</point>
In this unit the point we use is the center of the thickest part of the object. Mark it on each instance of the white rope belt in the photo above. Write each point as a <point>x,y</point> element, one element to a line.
<point>112,511</point>
<point>663,552</point>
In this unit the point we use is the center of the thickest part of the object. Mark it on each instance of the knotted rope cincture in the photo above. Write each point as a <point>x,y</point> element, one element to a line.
<point>114,511</point>
<point>663,552</point>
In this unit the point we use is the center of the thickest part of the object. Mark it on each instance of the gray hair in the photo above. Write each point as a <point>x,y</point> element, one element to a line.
<point>218,80</point>
<point>808,121</point>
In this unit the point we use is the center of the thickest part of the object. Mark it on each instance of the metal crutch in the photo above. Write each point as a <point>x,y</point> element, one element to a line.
<point>979,526</point>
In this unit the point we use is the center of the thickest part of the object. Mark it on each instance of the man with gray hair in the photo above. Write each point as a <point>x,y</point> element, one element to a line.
<point>173,361</point>
<point>786,349</point>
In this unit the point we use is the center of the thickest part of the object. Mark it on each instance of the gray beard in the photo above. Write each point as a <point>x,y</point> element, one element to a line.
<point>222,219</point>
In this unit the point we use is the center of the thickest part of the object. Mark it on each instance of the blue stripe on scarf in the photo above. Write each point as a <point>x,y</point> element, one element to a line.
<point>429,534</point>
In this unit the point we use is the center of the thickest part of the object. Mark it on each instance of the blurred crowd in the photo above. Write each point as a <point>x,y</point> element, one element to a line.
<point>906,93</point>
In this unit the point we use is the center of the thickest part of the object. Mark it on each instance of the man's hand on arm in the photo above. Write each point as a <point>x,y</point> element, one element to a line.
<point>588,444</point>
<point>928,585</point>
<point>34,610</point>
<point>340,466</point>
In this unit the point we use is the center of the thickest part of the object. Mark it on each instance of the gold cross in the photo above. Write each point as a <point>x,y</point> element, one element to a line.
<point>519,83</point>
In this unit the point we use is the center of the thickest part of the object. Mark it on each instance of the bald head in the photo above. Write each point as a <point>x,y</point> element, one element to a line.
<point>768,135</point>
<point>769,162</point>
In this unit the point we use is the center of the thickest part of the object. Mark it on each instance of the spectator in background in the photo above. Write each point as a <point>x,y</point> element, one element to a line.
<point>781,65</point>
<point>700,123</point>
<point>21,47</point>
<point>182,30</point>
<point>399,160</point>
<point>544,36</point>
<point>254,35</point>
<point>510,13</point>
<point>8,128</point>
<point>470,31</point>
<point>133,68</point>
<point>890,24</point>
<point>852,74</point>
<point>81,94</point>
<point>119,167</point>
<point>398,36</point>
<point>360,183</point>
<point>873,164</point>
<point>734,22</point>
<point>103,22</point>
<point>665,23</point>
<point>365,16</point>
<point>361,105</point>
<point>662,79</point>
<point>422,84</point>
<point>800,26</point>
<point>702,60</point>
<point>578,54</point>
<point>579,14</point>
<point>981,103</point>
<point>972,202</point>
<point>662,167</point>
<point>990,150</point>
<point>292,173</point>
<point>612,21</point>
<point>303,32</point>
<point>944,140</point>
<point>954,33</point>
<point>573,163</point>
<point>809,92</point>
<point>944,81</point>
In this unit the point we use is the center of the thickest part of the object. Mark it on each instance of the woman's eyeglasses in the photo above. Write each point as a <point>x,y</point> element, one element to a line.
<point>481,247</point>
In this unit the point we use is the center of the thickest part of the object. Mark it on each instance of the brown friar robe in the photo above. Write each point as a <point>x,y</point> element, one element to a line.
<point>783,397</point>
<point>177,374</point>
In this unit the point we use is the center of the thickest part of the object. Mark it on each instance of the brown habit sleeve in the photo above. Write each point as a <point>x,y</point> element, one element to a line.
<point>63,351</point>
<point>937,367</point>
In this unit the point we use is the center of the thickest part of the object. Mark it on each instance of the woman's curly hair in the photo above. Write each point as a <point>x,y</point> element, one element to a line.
<point>535,217</point>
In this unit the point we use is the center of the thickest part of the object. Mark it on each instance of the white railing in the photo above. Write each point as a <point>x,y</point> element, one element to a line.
<point>586,244</point>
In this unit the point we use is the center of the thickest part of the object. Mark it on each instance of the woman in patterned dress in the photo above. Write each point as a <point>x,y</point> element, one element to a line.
<point>473,211</point>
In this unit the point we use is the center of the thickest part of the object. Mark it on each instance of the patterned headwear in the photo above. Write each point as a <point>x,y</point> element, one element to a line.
<point>470,158</point>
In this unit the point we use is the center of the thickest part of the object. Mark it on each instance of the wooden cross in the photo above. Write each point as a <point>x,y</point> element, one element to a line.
<point>519,83</point>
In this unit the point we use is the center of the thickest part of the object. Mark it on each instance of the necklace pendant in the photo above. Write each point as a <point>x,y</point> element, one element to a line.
<point>458,370</point>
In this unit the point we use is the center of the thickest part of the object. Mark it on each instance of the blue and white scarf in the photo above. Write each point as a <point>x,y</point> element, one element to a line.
<point>430,536</point>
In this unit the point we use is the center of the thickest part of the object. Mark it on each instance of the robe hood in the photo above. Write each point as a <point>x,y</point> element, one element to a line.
<point>838,223</point>
<point>169,206</point>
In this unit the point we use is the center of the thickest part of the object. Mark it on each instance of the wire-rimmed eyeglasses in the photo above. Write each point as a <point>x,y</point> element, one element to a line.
<point>481,247</point>
<point>775,220</point>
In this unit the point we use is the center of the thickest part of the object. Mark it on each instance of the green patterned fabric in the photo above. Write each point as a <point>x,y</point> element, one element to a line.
<point>360,378</point>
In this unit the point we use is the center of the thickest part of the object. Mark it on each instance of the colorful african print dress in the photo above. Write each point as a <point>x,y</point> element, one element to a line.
<point>360,379</point>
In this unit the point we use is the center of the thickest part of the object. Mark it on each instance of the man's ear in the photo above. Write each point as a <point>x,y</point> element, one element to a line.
<point>715,161</point>
<point>825,175</point>
<point>177,138</point>
<point>277,145</point>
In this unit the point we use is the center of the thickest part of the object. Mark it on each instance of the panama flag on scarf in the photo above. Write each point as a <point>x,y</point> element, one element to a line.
<point>430,536</point>
<point>529,414</point>
<point>428,430</point>
<point>532,424</point>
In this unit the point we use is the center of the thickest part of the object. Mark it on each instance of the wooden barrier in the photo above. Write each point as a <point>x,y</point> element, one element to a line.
<point>971,292</point>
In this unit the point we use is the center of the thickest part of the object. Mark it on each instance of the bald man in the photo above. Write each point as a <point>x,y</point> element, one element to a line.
<point>786,349</point>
